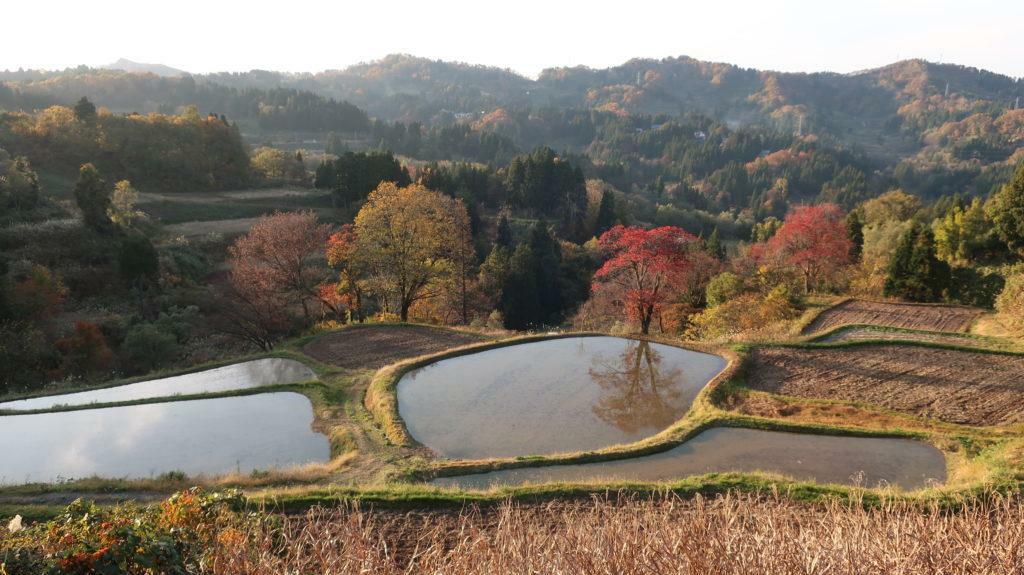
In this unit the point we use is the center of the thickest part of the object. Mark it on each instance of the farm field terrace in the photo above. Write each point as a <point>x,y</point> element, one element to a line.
<point>373,457</point>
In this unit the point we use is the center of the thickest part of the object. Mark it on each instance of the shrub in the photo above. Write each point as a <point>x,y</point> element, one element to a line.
<point>85,352</point>
<point>138,261</point>
<point>36,294</point>
<point>969,286</point>
<point>146,347</point>
<point>747,312</point>
<point>173,538</point>
<point>723,288</point>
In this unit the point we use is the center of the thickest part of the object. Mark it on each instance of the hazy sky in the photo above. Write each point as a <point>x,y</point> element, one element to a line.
<point>525,35</point>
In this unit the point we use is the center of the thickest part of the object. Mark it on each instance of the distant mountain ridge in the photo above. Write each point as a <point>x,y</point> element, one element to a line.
<point>927,116</point>
<point>126,65</point>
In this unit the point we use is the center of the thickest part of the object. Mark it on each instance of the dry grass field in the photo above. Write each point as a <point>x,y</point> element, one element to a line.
<point>727,535</point>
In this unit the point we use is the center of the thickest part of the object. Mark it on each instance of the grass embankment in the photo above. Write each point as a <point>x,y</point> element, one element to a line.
<point>299,387</point>
<point>976,457</point>
<point>382,394</point>
<point>358,410</point>
<point>705,413</point>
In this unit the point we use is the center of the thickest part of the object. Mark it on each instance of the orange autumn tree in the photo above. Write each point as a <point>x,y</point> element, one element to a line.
<point>348,291</point>
<point>279,257</point>
<point>646,269</point>
<point>813,241</point>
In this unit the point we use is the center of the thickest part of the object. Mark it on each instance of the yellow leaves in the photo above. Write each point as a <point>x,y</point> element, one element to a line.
<point>407,238</point>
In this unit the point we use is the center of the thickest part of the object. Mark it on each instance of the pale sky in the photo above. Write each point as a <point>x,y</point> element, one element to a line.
<point>524,35</point>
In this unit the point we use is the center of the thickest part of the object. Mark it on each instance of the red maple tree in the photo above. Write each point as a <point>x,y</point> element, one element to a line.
<point>812,240</point>
<point>347,292</point>
<point>645,269</point>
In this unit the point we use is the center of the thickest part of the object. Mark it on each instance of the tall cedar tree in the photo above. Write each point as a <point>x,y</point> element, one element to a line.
<point>503,237</point>
<point>714,245</point>
<point>93,198</point>
<point>532,296</point>
<point>85,110</point>
<point>358,174</point>
<point>914,272</point>
<point>606,216</point>
<point>855,231</point>
<point>545,183</point>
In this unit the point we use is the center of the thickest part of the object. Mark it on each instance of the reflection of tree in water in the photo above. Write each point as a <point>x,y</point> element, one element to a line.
<point>638,393</point>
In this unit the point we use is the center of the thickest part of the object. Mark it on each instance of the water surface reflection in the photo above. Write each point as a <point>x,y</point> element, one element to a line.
<point>245,375</point>
<point>867,461</point>
<point>206,436</point>
<point>551,396</point>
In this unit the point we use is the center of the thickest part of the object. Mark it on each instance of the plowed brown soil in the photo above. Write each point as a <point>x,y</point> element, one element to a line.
<point>954,386</point>
<point>376,346</point>
<point>909,316</point>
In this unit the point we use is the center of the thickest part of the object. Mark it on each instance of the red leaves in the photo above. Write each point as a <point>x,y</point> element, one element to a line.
<point>813,239</point>
<point>647,268</point>
<point>86,351</point>
<point>341,245</point>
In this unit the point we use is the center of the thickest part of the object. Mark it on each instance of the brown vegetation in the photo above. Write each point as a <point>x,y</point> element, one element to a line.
<point>730,534</point>
<point>377,346</point>
<point>953,386</point>
<point>903,315</point>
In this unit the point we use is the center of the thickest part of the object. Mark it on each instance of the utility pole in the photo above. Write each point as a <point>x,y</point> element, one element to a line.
<point>800,125</point>
<point>638,78</point>
<point>947,89</point>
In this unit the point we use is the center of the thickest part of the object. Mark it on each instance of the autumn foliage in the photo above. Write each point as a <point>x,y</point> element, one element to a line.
<point>85,352</point>
<point>812,241</point>
<point>647,269</point>
<point>276,257</point>
<point>347,292</point>
<point>410,240</point>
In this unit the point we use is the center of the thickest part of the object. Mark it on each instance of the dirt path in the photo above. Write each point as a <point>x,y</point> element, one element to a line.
<point>376,346</point>
<point>954,386</point>
<point>904,315</point>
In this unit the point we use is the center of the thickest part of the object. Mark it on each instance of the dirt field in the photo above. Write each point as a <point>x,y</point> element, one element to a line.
<point>861,334</point>
<point>377,346</point>
<point>953,386</point>
<point>909,316</point>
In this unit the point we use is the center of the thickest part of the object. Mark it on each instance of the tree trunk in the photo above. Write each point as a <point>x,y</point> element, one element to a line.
<point>645,319</point>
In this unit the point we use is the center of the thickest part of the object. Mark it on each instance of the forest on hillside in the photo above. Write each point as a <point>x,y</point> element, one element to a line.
<point>533,189</point>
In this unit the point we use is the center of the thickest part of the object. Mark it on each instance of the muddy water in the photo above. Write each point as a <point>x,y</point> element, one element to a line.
<point>206,436</point>
<point>250,374</point>
<point>826,459</point>
<point>551,396</point>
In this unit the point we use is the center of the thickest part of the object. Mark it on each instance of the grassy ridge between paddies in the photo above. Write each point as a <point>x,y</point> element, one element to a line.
<point>283,354</point>
<point>336,399</point>
<point>979,460</point>
<point>966,448</point>
<point>382,401</point>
